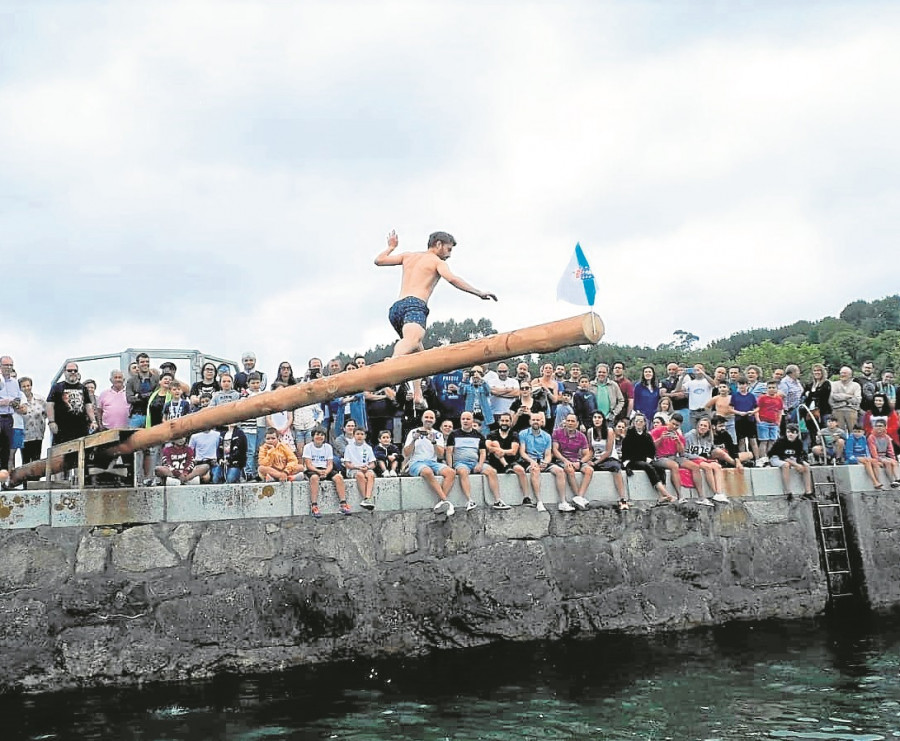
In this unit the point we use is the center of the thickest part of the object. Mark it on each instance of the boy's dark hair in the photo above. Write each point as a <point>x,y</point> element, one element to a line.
<point>792,428</point>
<point>383,431</point>
<point>271,431</point>
<point>771,382</point>
<point>742,379</point>
<point>444,237</point>
<point>859,427</point>
<point>254,376</point>
<point>718,419</point>
<point>677,417</point>
<point>318,431</point>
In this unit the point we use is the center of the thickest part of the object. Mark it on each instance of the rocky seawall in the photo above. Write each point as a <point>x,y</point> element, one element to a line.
<point>128,586</point>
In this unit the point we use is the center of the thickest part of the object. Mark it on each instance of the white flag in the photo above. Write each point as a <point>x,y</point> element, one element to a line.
<point>577,285</point>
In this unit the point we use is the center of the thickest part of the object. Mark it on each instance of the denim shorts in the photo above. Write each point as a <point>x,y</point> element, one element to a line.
<point>416,467</point>
<point>766,430</point>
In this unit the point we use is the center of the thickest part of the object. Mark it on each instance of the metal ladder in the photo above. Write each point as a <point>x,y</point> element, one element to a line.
<point>833,540</point>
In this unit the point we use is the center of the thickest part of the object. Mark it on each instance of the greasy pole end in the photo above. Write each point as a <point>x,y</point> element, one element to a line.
<point>593,327</point>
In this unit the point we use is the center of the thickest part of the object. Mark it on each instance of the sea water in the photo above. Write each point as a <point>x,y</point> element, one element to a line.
<point>823,679</point>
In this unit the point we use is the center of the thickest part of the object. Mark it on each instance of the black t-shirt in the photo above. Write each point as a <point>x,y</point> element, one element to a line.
<point>501,464</point>
<point>69,410</point>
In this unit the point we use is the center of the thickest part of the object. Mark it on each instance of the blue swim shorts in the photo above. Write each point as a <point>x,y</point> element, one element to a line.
<point>409,309</point>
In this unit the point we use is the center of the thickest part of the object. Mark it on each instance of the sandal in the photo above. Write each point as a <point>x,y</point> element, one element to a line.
<point>879,486</point>
<point>623,505</point>
<point>662,502</point>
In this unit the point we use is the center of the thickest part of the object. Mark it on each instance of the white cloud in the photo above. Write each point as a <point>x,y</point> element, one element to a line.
<point>221,175</point>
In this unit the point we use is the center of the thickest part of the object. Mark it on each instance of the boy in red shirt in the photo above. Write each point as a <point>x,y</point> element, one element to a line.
<point>770,408</point>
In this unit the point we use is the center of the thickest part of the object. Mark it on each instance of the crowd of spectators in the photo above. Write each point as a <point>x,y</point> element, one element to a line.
<point>686,422</point>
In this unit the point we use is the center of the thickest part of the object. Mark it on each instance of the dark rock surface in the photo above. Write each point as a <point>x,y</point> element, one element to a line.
<point>168,602</point>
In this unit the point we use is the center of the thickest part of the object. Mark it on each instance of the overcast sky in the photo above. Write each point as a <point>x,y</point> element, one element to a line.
<point>220,175</point>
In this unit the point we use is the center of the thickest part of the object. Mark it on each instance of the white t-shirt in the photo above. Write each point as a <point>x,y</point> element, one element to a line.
<point>359,455</point>
<point>699,392</point>
<point>424,448</point>
<point>318,456</point>
<point>501,404</point>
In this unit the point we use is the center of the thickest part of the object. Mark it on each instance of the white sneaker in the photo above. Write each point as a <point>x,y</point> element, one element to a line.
<point>540,506</point>
<point>720,497</point>
<point>470,505</point>
<point>565,507</point>
<point>450,509</point>
<point>440,505</point>
<point>500,504</point>
<point>580,502</point>
<point>705,502</point>
<point>684,500</point>
<point>762,461</point>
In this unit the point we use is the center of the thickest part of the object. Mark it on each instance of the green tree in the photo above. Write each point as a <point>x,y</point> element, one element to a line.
<point>768,356</point>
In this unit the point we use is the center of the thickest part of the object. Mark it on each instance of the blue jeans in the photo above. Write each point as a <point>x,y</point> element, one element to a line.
<point>231,476</point>
<point>252,463</point>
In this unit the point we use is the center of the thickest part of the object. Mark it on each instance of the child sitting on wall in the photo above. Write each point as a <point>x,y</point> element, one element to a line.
<point>786,453</point>
<point>277,462</point>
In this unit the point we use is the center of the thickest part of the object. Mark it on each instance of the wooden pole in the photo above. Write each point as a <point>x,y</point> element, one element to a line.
<point>579,330</point>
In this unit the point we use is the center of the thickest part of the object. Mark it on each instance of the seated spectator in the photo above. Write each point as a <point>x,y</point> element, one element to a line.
<point>572,454</point>
<point>275,460</point>
<point>669,444</point>
<point>536,450</point>
<point>698,449</point>
<point>726,451</point>
<point>563,410</point>
<point>856,452</point>
<point>466,452</point>
<point>881,448</point>
<point>206,385</point>
<point>830,443</point>
<point>423,447</point>
<point>503,453</point>
<point>881,409</point>
<point>639,454</point>
<point>113,409</point>
<point>604,456</point>
<point>788,453</point>
<point>231,456</point>
<point>769,410</point>
<point>388,458</point>
<point>205,445</point>
<point>647,393</point>
<point>177,465</point>
<point>476,396</point>
<point>359,461</point>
